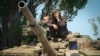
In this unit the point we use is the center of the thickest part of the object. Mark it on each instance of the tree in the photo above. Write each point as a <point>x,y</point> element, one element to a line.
<point>8,11</point>
<point>10,15</point>
<point>95,22</point>
<point>10,21</point>
<point>69,7</point>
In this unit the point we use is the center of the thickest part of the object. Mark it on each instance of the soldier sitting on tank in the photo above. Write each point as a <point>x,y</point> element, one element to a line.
<point>60,26</point>
<point>46,24</point>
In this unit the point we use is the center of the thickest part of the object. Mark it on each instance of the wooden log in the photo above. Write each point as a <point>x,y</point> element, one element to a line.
<point>36,29</point>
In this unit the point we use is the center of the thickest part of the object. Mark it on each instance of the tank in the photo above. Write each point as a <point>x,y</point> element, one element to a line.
<point>36,29</point>
<point>96,44</point>
<point>75,44</point>
<point>74,47</point>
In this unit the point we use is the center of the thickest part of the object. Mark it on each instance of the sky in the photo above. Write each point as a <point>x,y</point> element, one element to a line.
<point>80,22</point>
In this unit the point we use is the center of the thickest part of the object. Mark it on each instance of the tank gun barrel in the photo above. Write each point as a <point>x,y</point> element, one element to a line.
<point>36,29</point>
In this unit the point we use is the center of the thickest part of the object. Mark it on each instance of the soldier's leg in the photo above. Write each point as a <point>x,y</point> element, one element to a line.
<point>53,34</point>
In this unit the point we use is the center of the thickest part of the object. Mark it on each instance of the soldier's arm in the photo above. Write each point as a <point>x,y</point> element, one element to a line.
<point>62,22</point>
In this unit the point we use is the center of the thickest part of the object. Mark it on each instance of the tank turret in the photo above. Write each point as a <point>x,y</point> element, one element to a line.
<point>36,29</point>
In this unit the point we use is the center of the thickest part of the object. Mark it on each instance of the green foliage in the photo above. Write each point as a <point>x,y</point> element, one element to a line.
<point>69,7</point>
<point>98,19</point>
<point>9,10</point>
<point>4,9</point>
<point>94,24</point>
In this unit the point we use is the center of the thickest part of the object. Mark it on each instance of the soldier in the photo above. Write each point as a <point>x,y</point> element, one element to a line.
<point>60,25</point>
<point>46,24</point>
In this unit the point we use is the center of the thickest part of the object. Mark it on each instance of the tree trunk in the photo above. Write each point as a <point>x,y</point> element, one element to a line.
<point>4,31</point>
